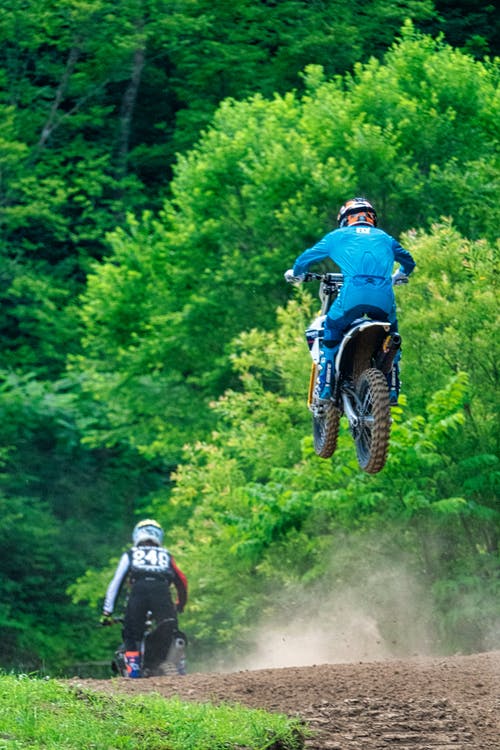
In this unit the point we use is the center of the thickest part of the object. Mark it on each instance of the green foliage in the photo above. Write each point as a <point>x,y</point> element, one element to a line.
<point>469,25</point>
<point>95,104</point>
<point>457,280</point>
<point>254,504</point>
<point>95,101</point>
<point>53,494</point>
<point>263,182</point>
<point>37,320</point>
<point>250,47</point>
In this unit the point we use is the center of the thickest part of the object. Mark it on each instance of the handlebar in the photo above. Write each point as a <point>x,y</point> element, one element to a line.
<point>336,279</point>
<point>329,278</point>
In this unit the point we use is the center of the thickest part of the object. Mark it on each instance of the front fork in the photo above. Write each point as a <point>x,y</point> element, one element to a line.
<point>312,383</point>
<point>348,396</point>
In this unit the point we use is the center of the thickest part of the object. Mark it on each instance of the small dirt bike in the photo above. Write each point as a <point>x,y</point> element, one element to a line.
<point>154,659</point>
<point>360,390</point>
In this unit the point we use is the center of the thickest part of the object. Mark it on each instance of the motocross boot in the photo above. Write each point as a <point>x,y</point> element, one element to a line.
<point>133,663</point>
<point>326,370</point>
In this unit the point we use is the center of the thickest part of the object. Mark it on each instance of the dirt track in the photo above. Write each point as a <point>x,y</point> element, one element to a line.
<point>416,704</point>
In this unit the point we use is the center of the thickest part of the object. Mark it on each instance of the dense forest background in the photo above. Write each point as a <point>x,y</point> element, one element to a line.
<point>161,164</point>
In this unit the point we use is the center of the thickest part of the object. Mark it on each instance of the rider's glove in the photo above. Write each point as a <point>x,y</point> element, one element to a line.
<point>399,278</point>
<point>291,278</point>
<point>106,619</point>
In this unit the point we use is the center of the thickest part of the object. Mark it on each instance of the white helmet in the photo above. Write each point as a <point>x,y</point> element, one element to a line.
<point>357,211</point>
<point>147,531</point>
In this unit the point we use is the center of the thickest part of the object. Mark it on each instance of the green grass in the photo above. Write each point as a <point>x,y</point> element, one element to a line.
<point>37,713</point>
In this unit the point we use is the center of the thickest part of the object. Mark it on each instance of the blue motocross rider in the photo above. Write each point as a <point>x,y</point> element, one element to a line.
<point>150,570</point>
<point>365,256</point>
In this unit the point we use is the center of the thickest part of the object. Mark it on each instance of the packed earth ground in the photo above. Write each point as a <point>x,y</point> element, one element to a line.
<point>439,703</point>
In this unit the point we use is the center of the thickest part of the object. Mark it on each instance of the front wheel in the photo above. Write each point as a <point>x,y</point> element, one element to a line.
<point>325,423</point>
<point>371,434</point>
<point>118,665</point>
<point>325,418</point>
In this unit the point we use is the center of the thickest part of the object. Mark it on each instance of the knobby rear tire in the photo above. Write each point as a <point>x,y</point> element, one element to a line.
<point>372,435</point>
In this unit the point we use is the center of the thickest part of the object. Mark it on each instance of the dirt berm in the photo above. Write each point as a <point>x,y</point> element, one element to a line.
<point>449,703</point>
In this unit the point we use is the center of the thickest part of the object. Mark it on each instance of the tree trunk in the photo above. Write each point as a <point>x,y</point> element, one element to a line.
<point>53,120</point>
<point>127,110</point>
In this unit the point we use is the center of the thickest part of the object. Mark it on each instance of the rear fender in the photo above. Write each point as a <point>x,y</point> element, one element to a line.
<point>358,347</point>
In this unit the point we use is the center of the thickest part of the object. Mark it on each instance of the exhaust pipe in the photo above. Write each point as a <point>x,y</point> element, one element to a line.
<point>389,349</point>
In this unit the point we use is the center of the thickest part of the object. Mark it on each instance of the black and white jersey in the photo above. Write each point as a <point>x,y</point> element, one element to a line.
<point>150,561</point>
<point>146,562</point>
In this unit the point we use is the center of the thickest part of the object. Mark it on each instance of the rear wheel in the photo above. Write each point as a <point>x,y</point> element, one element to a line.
<point>372,432</point>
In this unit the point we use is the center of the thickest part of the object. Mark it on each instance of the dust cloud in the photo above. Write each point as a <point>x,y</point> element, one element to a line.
<point>298,644</point>
<point>378,613</point>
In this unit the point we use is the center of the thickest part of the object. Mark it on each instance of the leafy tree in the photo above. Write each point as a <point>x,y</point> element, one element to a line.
<point>277,525</point>
<point>466,24</point>
<point>258,521</point>
<point>263,183</point>
<point>91,96</point>
<point>62,506</point>
<point>94,103</point>
<point>221,51</point>
<point>457,281</point>
<point>97,100</point>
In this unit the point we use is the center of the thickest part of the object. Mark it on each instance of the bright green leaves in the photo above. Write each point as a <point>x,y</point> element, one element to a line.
<point>449,317</point>
<point>256,502</point>
<point>264,182</point>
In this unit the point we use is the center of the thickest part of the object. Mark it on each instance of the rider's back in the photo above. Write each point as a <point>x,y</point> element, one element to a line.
<point>361,250</point>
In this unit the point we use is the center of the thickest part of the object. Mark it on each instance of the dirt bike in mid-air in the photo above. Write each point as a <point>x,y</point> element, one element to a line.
<point>155,659</point>
<point>359,389</point>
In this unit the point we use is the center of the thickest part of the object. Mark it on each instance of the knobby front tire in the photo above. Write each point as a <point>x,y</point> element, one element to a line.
<point>372,434</point>
<point>325,430</point>
<point>325,419</point>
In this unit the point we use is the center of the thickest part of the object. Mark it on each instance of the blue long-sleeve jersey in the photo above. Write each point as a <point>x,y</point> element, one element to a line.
<point>359,251</point>
<point>366,257</point>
